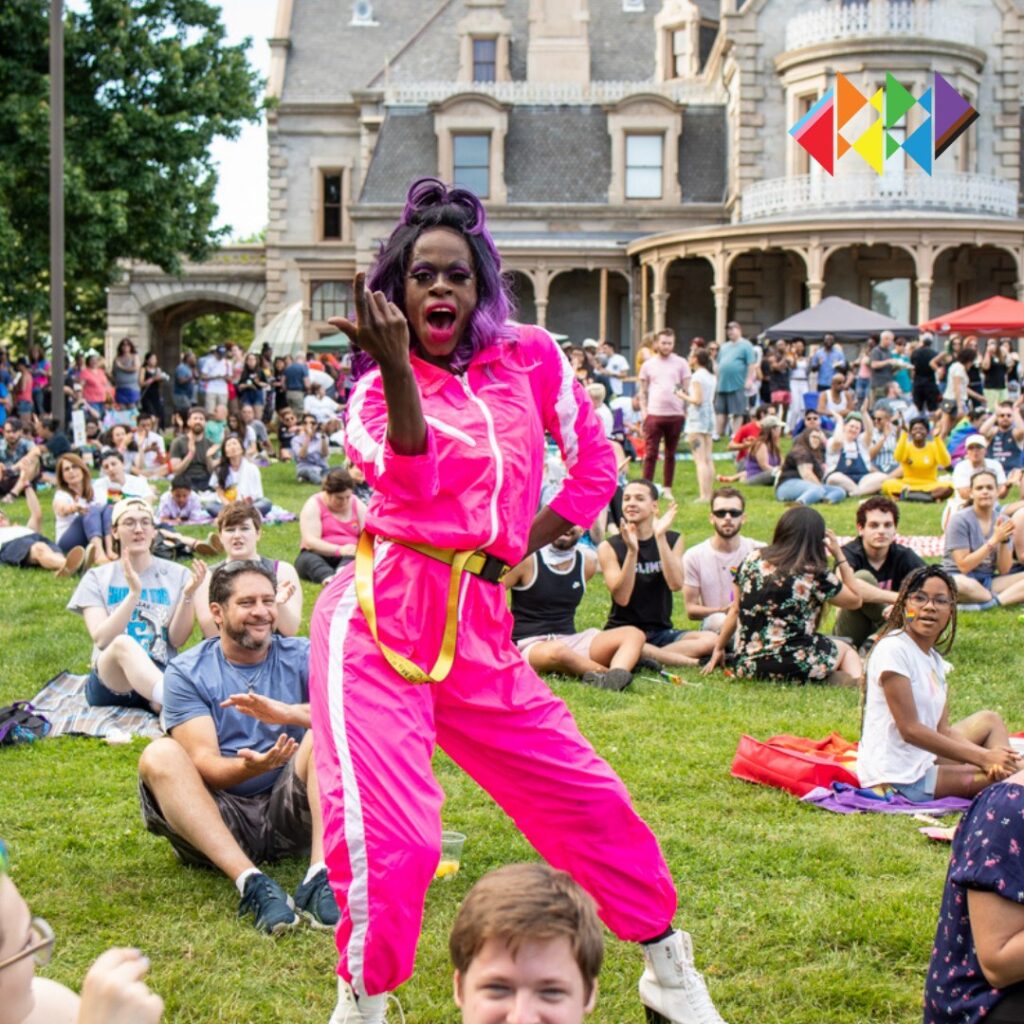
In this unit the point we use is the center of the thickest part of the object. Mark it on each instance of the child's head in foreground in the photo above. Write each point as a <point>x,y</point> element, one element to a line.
<point>526,944</point>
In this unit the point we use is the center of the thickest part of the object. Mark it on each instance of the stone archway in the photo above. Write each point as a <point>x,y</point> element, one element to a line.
<point>690,310</point>
<point>574,305</point>
<point>766,286</point>
<point>879,276</point>
<point>151,306</point>
<point>525,297</point>
<point>965,274</point>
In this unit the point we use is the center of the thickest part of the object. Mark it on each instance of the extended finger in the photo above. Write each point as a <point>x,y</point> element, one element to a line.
<point>359,285</point>
<point>345,326</point>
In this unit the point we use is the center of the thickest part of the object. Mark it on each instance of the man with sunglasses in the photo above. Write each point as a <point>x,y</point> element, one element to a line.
<point>310,447</point>
<point>1004,430</point>
<point>708,567</point>
<point>114,989</point>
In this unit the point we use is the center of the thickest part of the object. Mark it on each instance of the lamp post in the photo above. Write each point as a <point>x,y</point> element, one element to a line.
<point>57,210</point>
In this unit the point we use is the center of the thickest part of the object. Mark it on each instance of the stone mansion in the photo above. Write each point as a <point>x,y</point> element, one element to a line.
<point>634,157</point>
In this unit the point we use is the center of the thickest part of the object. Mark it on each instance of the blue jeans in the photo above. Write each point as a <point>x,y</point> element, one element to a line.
<point>803,491</point>
<point>93,523</point>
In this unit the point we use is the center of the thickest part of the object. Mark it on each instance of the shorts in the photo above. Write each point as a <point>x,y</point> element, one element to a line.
<point>781,397</point>
<point>126,396</point>
<point>100,696</point>
<point>267,826</point>
<point>16,552</point>
<point>578,643</point>
<point>731,403</point>
<point>664,637</point>
<point>984,578</point>
<point>923,790</point>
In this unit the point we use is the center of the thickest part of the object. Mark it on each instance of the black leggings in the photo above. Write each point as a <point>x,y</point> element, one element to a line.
<point>317,568</point>
<point>1009,1009</point>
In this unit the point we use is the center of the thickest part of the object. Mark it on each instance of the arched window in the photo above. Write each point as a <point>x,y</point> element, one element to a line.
<point>332,298</point>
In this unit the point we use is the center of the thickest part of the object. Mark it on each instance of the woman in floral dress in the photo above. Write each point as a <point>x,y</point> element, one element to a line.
<point>781,591</point>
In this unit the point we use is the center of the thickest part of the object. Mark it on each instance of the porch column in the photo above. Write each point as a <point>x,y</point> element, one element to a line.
<point>602,317</point>
<point>541,278</point>
<point>924,298</point>
<point>720,289</point>
<point>660,295</point>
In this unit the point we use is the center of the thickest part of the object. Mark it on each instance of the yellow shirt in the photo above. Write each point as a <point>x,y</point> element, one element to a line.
<point>921,465</point>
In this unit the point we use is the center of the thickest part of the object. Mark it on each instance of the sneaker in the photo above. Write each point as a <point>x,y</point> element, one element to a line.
<point>366,1010</point>
<point>649,665</point>
<point>614,679</point>
<point>271,907</point>
<point>315,902</point>
<point>72,563</point>
<point>206,549</point>
<point>671,988</point>
<point>213,539</point>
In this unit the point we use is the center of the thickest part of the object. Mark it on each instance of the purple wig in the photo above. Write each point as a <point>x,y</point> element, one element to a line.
<point>431,204</point>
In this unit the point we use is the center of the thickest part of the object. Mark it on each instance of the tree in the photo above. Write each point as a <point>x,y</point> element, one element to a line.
<point>148,85</point>
<point>206,332</point>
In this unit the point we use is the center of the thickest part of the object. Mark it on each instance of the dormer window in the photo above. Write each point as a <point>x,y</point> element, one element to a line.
<point>485,60</point>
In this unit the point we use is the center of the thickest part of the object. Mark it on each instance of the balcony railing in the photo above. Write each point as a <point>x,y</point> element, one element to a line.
<point>880,19</point>
<point>419,94</point>
<point>820,195</point>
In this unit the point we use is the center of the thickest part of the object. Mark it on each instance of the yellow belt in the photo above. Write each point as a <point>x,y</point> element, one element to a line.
<point>460,561</point>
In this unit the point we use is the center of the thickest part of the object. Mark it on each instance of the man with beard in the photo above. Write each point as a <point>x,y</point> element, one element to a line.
<point>190,453</point>
<point>546,589</point>
<point>643,567</point>
<point>233,784</point>
<point>708,568</point>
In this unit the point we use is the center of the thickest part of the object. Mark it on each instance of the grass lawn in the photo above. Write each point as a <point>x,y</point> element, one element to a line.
<point>798,916</point>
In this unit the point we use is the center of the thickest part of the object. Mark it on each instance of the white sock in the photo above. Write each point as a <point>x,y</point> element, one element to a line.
<point>373,1008</point>
<point>313,870</point>
<point>158,693</point>
<point>244,877</point>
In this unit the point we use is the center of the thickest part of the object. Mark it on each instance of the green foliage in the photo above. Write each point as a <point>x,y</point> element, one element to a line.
<point>148,85</point>
<point>798,916</point>
<point>203,333</point>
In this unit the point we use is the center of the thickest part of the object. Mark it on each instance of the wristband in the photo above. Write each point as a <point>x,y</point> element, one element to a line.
<point>842,561</point>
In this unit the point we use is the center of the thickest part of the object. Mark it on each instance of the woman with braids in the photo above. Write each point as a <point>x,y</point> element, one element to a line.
<point>411,645</point>
<point>906,740</point>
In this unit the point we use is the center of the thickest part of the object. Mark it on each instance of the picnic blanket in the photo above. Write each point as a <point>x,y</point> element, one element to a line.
<point>845,799</point>
<point>926,546</point>
<point>62,701</point>
<point>795,763</point>
<point>277,514</point>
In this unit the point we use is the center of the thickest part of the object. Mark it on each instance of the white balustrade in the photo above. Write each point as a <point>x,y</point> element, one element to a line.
<point>880,18</point>
<point>817,195</point>
<point>551,93</point>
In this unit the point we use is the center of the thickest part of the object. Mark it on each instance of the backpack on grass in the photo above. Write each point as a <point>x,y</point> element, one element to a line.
<point>19,723</point>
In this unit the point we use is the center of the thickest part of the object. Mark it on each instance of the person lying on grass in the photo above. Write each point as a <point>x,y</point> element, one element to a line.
<point>233,783</point>
<point>526,945</point>
<point>24,546</point>
<point>781,591</point>
<point>979,549</point>
<point>906,740</point>
<point>114,991</point>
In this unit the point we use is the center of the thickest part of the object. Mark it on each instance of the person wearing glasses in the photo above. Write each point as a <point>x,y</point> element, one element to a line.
<point>907,741</point>
<point>709,566</point>
<point>310,447</point>
<point>138,610</point>
<point>114,991</point>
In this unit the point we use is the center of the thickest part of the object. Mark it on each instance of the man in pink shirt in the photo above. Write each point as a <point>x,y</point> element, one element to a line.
<point>664,411</point>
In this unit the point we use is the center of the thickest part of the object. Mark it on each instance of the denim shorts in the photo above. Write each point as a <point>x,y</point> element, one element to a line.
<point>923,790</point>
<point>100,696</point>
<point>664,637</point>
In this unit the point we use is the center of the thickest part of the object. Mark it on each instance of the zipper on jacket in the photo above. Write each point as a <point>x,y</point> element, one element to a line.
<point>495,451</point>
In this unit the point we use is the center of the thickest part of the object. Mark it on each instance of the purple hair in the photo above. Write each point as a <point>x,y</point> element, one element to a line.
<point>432,204</point>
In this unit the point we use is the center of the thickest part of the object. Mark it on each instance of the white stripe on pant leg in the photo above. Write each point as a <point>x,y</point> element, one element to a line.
<point>355,835</point>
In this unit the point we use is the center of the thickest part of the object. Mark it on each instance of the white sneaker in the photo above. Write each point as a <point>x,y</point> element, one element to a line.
<point>671,988</point>
<point>367,1010</point>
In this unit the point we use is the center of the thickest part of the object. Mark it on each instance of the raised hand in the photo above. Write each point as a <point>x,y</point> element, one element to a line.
<point>131,577</point>
<point>832,543</point>
<point>664,522</point>
<point>629,535</point>
<point>114,991</point>
<point>276,757</point>
<point>285,590</point>
<point>198,571</point>
<point>380,330</point>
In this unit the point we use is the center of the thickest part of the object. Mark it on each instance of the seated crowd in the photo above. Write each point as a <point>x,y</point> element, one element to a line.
<point>232,787</point>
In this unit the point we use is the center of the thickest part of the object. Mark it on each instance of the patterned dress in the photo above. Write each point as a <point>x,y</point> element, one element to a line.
<point>986,856</point>
<point>777,637</point>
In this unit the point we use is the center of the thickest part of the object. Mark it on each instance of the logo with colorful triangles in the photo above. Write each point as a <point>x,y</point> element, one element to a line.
<point>944,116</point>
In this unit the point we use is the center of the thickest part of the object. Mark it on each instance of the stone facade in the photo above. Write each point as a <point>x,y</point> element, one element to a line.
<point>635,156</point>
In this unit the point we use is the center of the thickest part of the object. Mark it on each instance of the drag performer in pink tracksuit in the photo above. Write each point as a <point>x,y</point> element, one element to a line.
<point>412,645</point>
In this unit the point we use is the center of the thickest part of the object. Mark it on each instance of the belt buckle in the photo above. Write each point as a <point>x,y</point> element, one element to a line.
<point>493,569</point>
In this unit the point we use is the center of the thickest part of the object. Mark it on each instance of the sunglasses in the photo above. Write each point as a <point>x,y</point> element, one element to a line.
<point>731,513</point>
<point>39,945</point>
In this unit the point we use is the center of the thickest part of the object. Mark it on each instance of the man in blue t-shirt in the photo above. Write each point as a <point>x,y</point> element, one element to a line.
<point>736,357</point>
<point>234,782</point>
<point>296,382</point>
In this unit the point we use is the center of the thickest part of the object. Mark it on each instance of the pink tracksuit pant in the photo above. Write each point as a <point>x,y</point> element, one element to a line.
<point>375,734</point>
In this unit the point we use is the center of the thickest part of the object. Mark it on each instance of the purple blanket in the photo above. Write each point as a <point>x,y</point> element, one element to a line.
<point>846,799</point>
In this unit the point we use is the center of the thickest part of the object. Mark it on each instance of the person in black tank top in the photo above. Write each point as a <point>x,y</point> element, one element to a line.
<point>643,567</point>
<point>546,589</point>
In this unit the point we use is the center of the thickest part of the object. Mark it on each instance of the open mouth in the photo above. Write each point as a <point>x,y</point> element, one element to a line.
<point>440,324</point>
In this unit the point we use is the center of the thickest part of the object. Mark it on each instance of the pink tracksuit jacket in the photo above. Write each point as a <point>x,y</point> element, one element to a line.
<point>477,486</point>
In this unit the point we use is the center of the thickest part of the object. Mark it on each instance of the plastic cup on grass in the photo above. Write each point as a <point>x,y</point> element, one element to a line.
<point>451,854</point>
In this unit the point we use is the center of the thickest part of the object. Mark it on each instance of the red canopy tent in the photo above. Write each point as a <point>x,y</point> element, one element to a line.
<point>998,315</point>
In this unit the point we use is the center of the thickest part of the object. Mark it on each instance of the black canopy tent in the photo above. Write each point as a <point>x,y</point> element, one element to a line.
<point>846,320</point>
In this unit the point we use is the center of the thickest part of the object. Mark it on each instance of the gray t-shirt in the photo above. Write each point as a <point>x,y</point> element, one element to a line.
<point>881,378</point>
<point>964,532</point>
<point>162,585</point>
<point>198,681</point>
